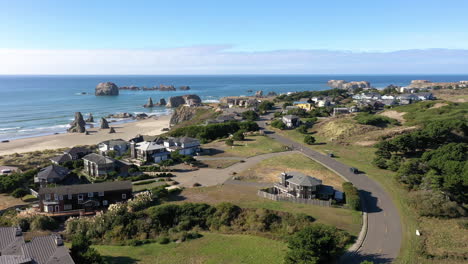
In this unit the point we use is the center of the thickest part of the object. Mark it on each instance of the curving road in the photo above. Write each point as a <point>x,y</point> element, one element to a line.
<point>383,239</point>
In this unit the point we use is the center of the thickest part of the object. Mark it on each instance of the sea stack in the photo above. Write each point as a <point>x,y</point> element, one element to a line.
<point>259,94</point>
<point>162,102</point>
<point>104,123</point>
<point>184,88</point>
<point>149,103</point>
<point>78,125</point>
<point>112,130</point>
<point>90,118</point>
<point>107,88</point>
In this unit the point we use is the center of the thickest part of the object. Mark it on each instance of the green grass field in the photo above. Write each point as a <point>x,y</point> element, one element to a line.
<point>252,146</point>
<point>212,248</point>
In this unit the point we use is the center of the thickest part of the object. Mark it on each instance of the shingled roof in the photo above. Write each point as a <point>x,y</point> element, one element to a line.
<point>98,159</point>
<point>85,188</point>
<point>53,171</point>
<point>47,250</point>
<point>61,158</point>
<point>302,179</point>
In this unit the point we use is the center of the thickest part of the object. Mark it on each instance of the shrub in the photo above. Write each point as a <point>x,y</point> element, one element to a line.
<point>163,240</point>
<point>435,203</point>
<point>278,124</point>
<point>250,115</point>
<point>317,243</point>
<point>238,136</point>
<point>42,222</point>
<point>19,192</point>
<point>309,140</point>
<point>265,106</point>
<point>374,120</point>
<point>351,195</point>
<point>229,142</point>
<point>302,129</point>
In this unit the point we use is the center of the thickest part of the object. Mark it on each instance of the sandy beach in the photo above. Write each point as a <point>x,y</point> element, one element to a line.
<point>151,126</point>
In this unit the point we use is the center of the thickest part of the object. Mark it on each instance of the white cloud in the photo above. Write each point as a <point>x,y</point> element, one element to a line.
<point>219,60</point>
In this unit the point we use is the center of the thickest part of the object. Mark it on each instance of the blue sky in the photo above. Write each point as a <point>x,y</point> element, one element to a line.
<point>208,28</point>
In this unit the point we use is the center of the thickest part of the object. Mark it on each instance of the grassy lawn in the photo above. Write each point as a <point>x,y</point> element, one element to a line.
<point>148,186</point>
<point>30,160</point>
<point>252,146</point>
<point>361,157</point>
<point>211,248</point>
<point>445,237</point>
<point>269,169</point>
<point>220,164</point>
<point>246,196</point>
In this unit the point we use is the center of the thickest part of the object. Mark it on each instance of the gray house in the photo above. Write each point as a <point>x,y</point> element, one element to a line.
<point>299,185</point>
<point>74,153</point>
<point>185,145</point>
<point>51,174</point>
<point>40,250</point>
<point>291,121</point>
<point>96,165</point>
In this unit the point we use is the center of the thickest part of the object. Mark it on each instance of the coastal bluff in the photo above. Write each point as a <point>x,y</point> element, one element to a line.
<point>188,100</point>
<point>107,89</point>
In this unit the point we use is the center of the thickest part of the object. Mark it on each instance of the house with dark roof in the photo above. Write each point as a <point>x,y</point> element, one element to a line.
<point>291,121</point>
<point>185,145</point>
<point>51,174</point>
<point>299,185</point>
<point>74,153</point>
<point>96,165</point>
<point>40,250</point>
<point>120,146</point>
<point>85,197</point>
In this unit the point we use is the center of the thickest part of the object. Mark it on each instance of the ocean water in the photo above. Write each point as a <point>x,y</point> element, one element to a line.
<point>40,105</point>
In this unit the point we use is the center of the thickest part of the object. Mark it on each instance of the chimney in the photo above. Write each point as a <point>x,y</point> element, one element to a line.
<point>133,153</point>
<point>58,240</point>
<point>18,231</point>
<point>283,178</point>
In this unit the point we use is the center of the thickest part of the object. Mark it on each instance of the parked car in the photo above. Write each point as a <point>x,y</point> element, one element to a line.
<point>354,170</point>
<point>331,155</point>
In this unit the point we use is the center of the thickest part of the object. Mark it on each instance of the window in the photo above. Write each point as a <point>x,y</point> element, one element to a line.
<point>56,197</point>
<point>90,194</point>
<point>60,197</point>
<point>67,207</point>
<point>104,202</point>
<point>47,196</point>
<point>80,197</point>
<point>69,197</point>
<point>101,194</point>
<point>124,196</point>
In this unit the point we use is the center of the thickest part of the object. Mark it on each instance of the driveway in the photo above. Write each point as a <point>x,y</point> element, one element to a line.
<point>383,240</point>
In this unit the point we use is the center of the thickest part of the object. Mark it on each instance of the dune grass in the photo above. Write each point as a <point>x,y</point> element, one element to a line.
<point>212,248</point>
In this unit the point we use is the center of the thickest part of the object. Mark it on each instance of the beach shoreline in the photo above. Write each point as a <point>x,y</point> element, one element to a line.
<point>150,126</point>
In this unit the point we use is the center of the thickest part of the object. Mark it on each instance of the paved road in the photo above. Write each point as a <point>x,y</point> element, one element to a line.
<point>383,240</point>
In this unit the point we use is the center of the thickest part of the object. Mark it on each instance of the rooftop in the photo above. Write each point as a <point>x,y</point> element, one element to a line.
<point>98,159</point>
<point>85,188</point>
<point>301,179</point>
<point>53,172</point>
<point>149,145</point>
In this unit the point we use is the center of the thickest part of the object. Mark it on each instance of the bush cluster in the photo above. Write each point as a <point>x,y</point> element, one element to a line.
<point>214,131</point>
<point>374,120</point>
<point>352,196</point>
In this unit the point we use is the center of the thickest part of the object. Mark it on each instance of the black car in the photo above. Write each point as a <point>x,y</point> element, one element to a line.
<point>354,170</point>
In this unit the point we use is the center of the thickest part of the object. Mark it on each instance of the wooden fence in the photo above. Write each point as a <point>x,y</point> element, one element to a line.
<point>276,197</point>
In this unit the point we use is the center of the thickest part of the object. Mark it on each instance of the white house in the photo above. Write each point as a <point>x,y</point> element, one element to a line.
<point>151,151</point>
<point>120,146</point>
<point>185,145</point>
<point>291,121</point>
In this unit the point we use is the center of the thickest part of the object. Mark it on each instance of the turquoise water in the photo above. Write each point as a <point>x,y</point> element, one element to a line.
<point>38,105</point>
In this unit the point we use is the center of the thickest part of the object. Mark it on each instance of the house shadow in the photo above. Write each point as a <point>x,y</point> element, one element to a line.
<point>357,258</point>
<point>176,198</point>
<point>119,259</point>
<point>212,151</point>
<point>370,202</point>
